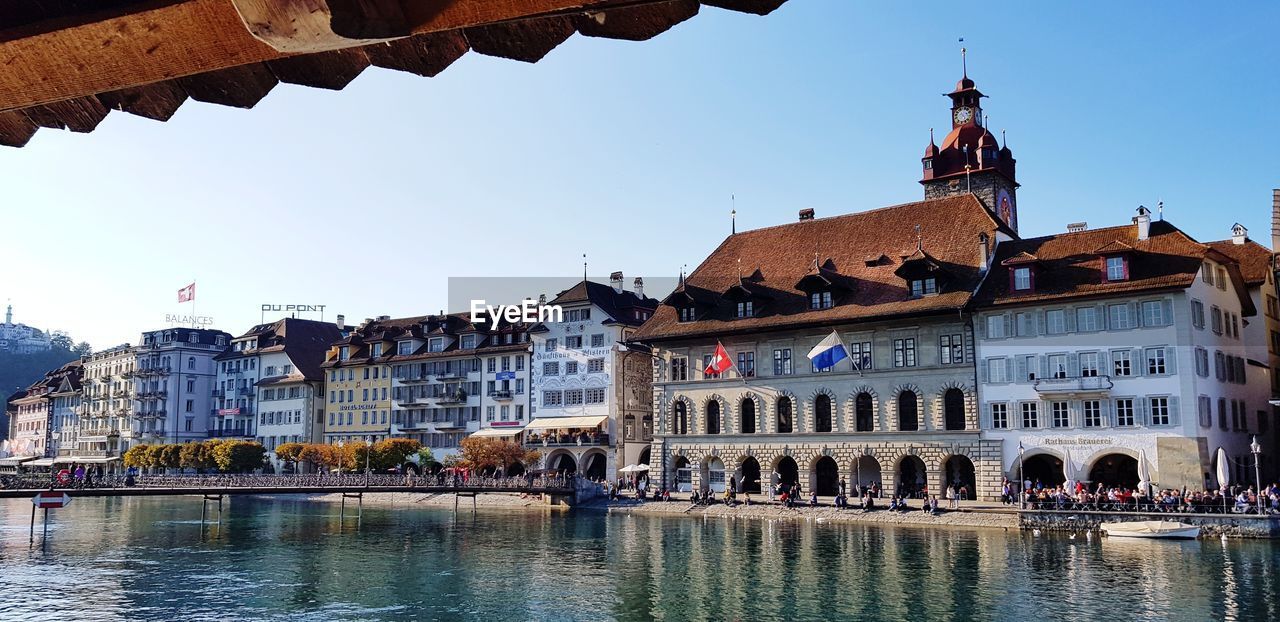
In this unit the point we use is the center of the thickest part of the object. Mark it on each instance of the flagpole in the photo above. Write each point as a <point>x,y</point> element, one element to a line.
<point>193,302</point>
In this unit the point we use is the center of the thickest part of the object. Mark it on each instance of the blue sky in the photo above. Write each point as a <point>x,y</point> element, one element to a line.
<point>367,199</point>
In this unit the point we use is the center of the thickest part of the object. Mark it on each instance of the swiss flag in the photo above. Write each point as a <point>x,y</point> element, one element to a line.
<point>187,294</point>
<point>720,361</point>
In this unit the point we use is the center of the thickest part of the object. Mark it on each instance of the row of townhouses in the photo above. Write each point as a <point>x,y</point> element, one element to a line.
<point>970,355</point>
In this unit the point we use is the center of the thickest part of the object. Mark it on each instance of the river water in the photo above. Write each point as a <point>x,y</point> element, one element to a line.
<point>282,559</point>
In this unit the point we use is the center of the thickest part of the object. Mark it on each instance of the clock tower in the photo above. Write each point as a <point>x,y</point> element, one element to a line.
<point>970,161</point>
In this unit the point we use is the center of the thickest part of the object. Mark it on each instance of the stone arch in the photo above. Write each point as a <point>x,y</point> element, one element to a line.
<point>560,459</point>
<point>824,475</point>
<point>750,475</point>
<point>960,468</point>
<point>852,404</point>
<point>714,417</point>
<point>811,406</point>
<point>1040,463</point>
<point>787,468</point>
<point>899,400</point>
<point>1095,461</point>
<point>865,470</point>
<point>910,474</point>
<point>758,405</point>
<point>787,399</point>
<point>681,475</point>
<point>594,464</point>
<point>939,405</point>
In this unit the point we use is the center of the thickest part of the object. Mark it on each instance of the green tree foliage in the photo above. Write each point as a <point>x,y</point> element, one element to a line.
<point>19,371</point>
<point>394,452</point>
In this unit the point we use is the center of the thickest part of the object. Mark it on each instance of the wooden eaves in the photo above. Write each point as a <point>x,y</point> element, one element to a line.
<point>66,63</point>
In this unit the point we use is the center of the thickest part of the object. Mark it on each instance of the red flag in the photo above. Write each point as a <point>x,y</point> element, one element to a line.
<point>720,361</point>
<point>187,294</point>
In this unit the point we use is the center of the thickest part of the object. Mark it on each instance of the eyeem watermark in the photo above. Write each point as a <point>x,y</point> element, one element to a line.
<point>529,311</point>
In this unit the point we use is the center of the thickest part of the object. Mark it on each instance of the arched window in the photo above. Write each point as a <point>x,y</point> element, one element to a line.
<point>953,409</point>
<point>680,418</point>
<point>822,413</point>
<point>784,415</point>
<point>864,412</point>
<point>908,412</point>
<point>747,416</point>
<point>191,362</point>
<point>713,417</point>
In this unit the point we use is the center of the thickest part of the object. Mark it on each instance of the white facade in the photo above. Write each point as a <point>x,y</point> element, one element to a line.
<point>21,338</point>
<point>233,407</point>
<point>174,382</point>
<point>107,405</point>
<point>287,408</point>
<point>1084,381</point>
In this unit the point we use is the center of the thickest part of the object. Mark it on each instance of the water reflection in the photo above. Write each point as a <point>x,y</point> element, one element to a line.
<point>281,559</point>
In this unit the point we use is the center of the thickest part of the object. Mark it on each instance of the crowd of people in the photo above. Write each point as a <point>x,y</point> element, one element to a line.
<point>1100,497</point>
<point>866,497</point>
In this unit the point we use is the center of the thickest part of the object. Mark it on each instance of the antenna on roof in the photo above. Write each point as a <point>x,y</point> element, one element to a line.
<point>1003,142</point>
<point>1160,208</point>
<point>733,214</point>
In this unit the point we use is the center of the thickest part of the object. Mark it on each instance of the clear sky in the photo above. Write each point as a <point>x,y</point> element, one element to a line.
<point>367,199</point>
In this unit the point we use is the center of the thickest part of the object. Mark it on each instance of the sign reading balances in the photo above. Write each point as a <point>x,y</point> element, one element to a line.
<point>194,320</point>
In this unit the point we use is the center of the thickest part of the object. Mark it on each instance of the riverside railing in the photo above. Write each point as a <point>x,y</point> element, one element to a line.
<point>320,482</point>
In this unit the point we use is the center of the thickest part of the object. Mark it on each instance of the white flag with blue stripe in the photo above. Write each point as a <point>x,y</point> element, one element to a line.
<point>828,352</point>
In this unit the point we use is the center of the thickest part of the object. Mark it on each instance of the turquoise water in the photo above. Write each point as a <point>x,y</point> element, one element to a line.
<point>150,559</point>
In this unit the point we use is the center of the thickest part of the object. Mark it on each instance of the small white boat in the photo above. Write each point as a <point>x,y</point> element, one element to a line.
<point>1151,529</point>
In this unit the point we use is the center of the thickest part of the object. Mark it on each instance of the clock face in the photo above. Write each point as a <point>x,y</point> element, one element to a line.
<point>963,115</point>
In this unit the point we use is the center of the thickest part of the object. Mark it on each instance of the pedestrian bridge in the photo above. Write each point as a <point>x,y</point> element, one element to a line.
<point>556,489</point>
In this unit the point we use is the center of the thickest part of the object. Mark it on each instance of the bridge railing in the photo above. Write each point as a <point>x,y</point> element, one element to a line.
<point>321,482</point>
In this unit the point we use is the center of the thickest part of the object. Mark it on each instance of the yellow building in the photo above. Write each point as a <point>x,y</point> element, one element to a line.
<point>357,387</point>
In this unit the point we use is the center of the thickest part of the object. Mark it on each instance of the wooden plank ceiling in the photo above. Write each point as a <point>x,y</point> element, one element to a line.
<point>66,63</point>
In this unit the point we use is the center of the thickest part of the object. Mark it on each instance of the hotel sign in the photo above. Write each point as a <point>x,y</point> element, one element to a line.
<point>193,320</point>
<point>288,308</point>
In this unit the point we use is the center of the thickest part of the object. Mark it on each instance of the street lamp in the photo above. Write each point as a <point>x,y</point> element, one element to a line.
<point>340,444</point>
<point>1257,469</point>
<point>1022,494</point>
<point>368,449</point>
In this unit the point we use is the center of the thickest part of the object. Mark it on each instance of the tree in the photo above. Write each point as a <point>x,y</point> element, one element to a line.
<point>61,341</point>
<point>194,456</point>
<point>394,452</point>
<point>489,454</point>
<point>427,461</point>
<point>319,454</point>
<point>155,456</point>
<point>236,456</point>
<point>288,452</point>
<point>171,456</point>
<point>136,456</point>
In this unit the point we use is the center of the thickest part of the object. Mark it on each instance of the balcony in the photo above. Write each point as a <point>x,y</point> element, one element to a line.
<point>153,395</point>
<point>456,398</point>
<point>218,393</point>
<point>567,440</point>
<point>448,424</point>
<point>1075,386</point>
<point>245,391</point>
<point>501,395</point>
<point>414,378</point>
<point>410,400</point>
<point>451,375</point>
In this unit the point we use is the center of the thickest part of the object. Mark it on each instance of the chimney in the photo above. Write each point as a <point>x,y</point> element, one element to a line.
<point>342,322</point>
<point>1077,227</point>
<point>1143,220</point>
<point>383,318</point>
<point>542,299</point>
<point>984,251</point>
<point>1239,234</point>
<point>615,280</point>
<point>1275,219</point>
<point>638,285</point>
<point>806,213</point>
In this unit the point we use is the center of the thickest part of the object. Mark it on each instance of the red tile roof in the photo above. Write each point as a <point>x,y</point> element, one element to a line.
<point>949,229</point>
<point>1070,264</point>
<point>1254,259</point>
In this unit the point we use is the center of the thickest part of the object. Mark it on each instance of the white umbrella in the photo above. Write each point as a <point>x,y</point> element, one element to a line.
<point>1144,478</point>
<point>1224,469</point>
<point>631,468</point>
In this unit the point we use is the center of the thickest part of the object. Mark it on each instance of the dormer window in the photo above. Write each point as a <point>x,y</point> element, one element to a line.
<point>746,309</point>
<point>686,314</point>
<point>344,353</point>
<point>820,300</point>
<point>1022,279</point>
<point>1117,268</point>
<point>435,344</point>
<point>468,342</point>
<point>404,348</point>
<point>375,350</point>
<point>924,287</point>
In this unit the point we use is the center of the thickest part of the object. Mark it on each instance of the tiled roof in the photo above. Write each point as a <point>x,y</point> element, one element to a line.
<point>1254,259</point>
<point>420,327</point>
<point>305,341</point>
<point>853,244</point>
<point>1070,264</point>
<point>616,305</point>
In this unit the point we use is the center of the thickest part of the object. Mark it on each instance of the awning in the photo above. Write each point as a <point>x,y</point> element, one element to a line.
<point>16,460</point>
<point>97,460</point>
<point>499,432</point>
<point>564,423</point>
<point>43,462</point>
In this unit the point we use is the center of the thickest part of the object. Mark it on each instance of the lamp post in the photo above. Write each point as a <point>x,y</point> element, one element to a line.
<point>368,449</point>
<point>340,444</point>
<point>1257,469</point>
<point>1022,494</point>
